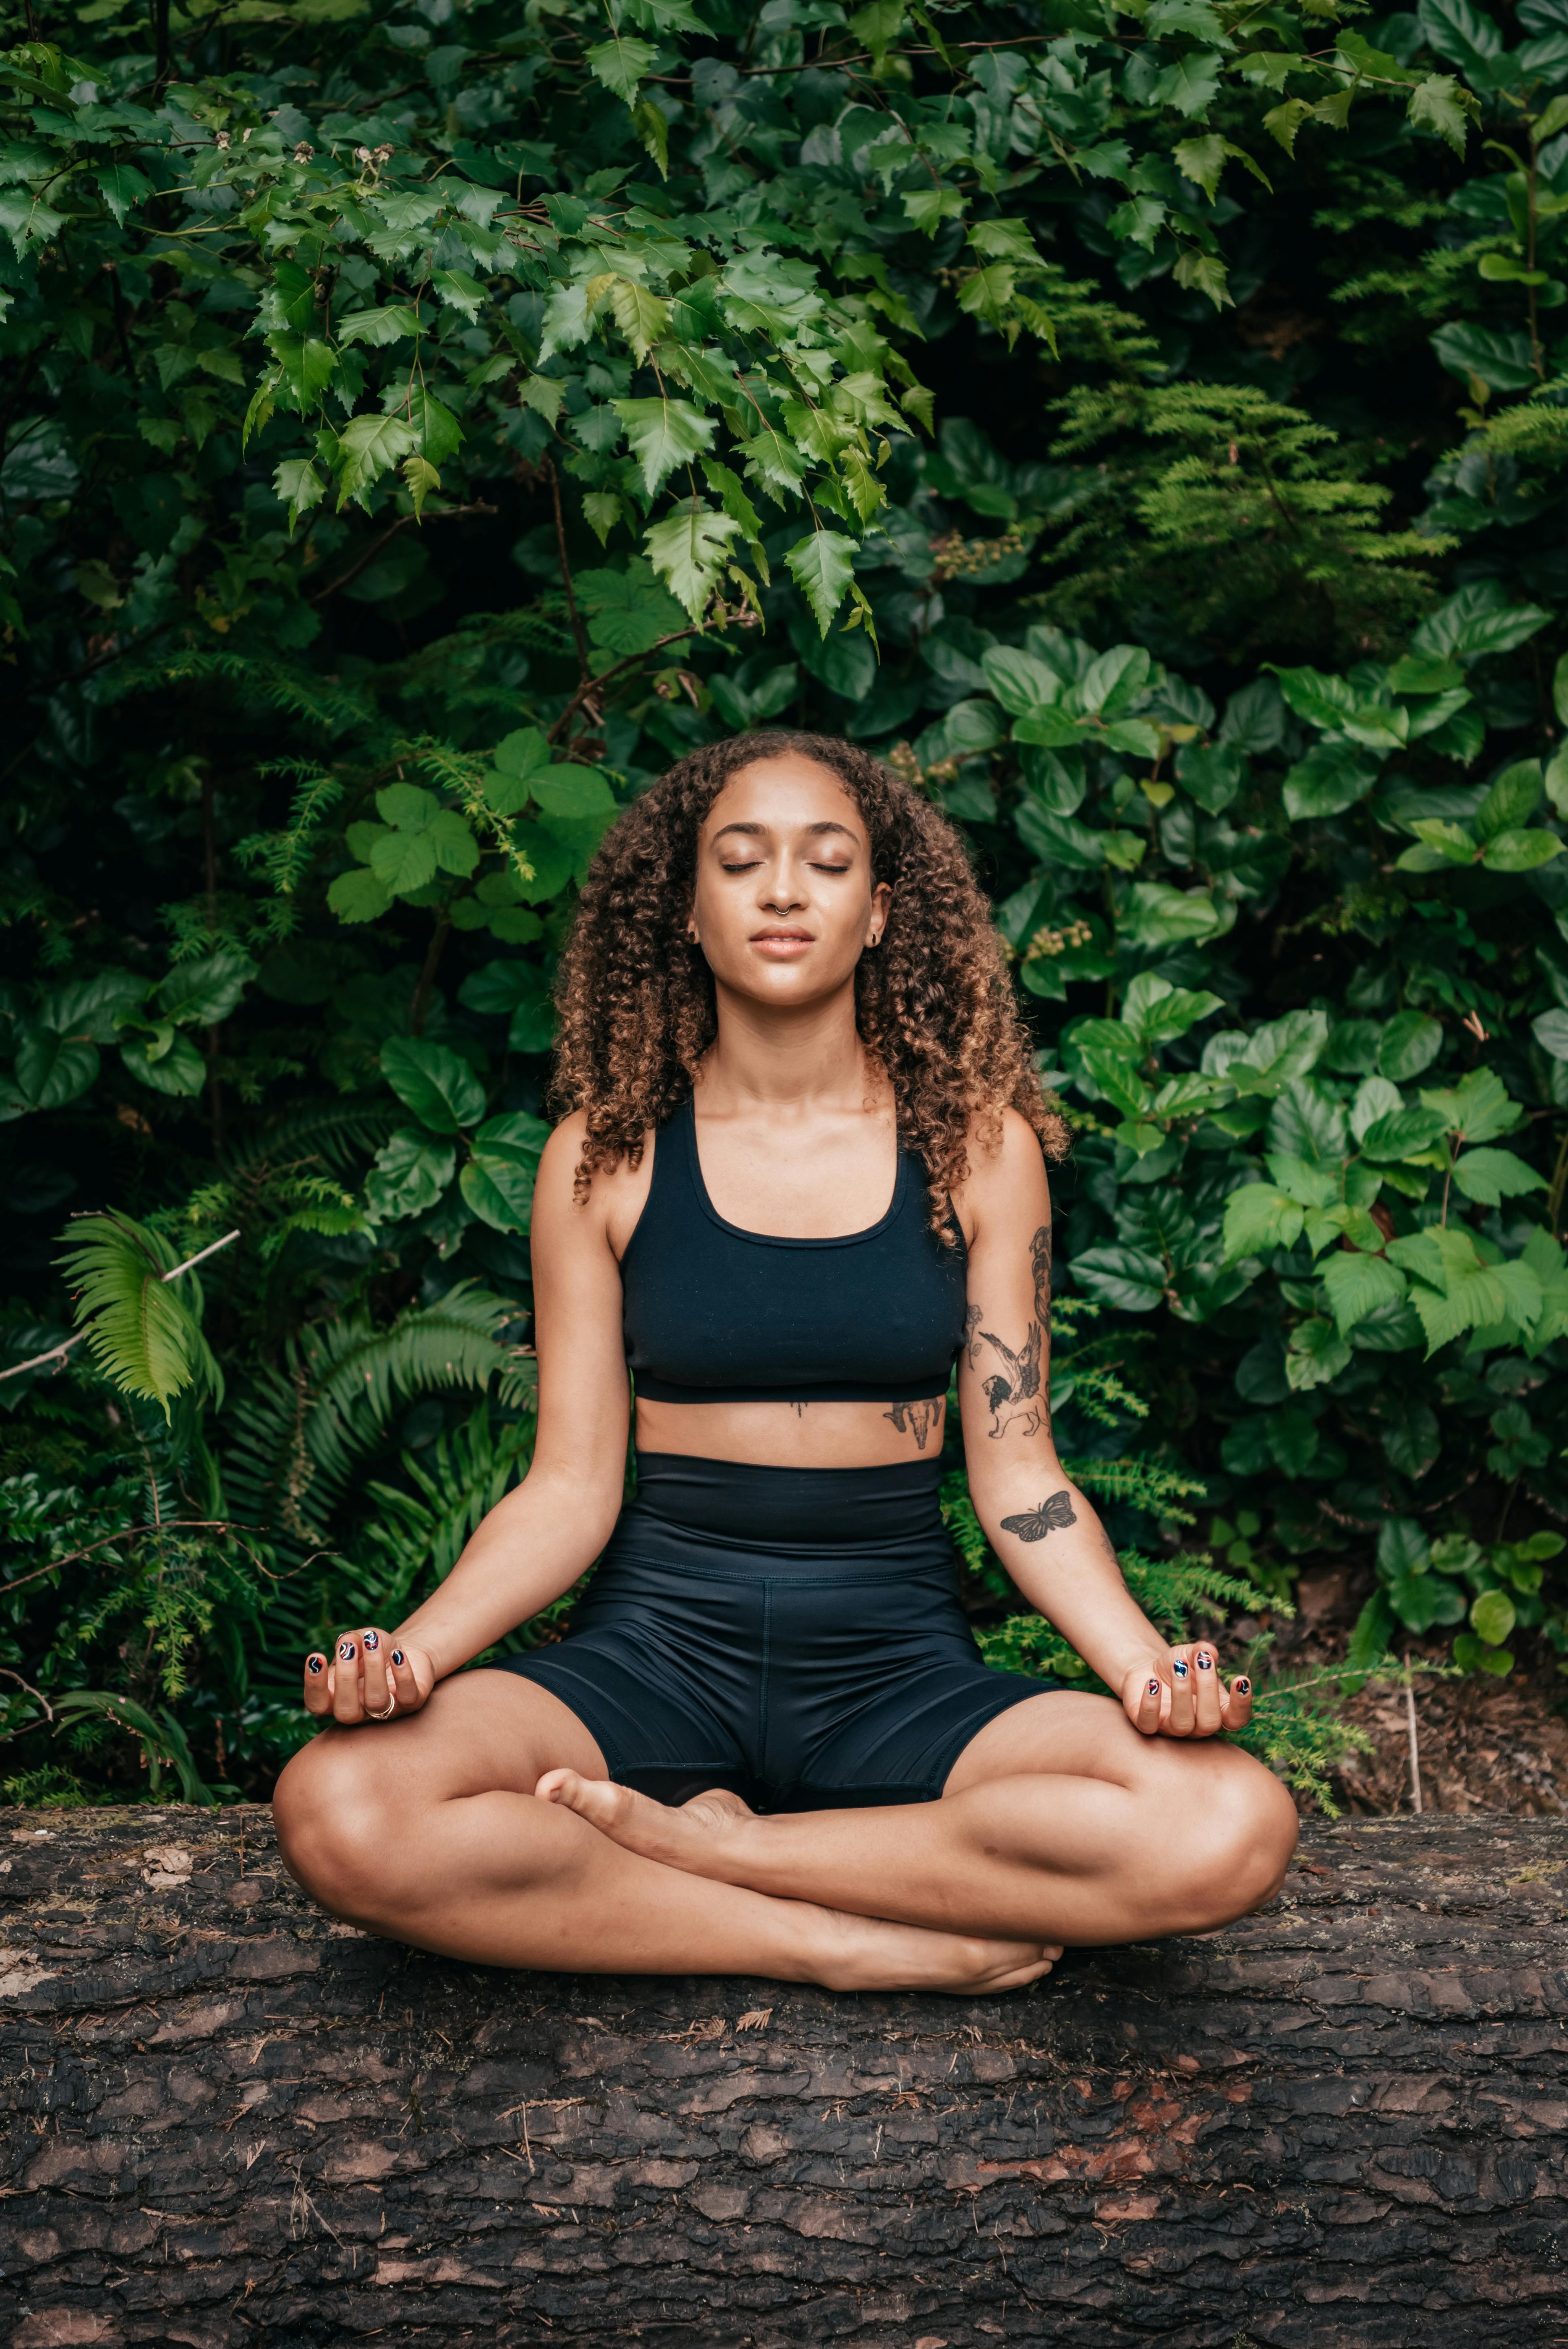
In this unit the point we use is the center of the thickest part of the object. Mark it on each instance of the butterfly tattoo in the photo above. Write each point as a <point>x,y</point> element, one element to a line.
<point>1054,1515</point>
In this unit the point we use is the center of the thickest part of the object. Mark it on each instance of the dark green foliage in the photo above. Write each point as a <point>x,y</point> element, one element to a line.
<point>423,421</point>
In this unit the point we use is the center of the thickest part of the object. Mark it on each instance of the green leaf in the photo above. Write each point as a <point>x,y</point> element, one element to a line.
<point>620,64</point>
<point>1489,1176</point>
<point>927,208</point>
<point>1521,852</point>
<point>1550,1030</point>
<point>1503,360</point>
<point>498,1181</point>
<point>572,790</point>
<point>822,565</point>
<point>170,1064</point>
<point>358,898</point>
<point>688,549</point>
<point>1492,1616</point>
<point>1205,274</point>
<point>1511,800</point>
<point>1478,1109</point>
<point>369,447</point>
<point>410,1173</point>
<point>404,862</point>
<point>1330,779</point>
<point>664,433</point>
<point>300,486</point>
<point>1436,104</point>
<point>1316,1355</point>
<point>628,612</point>
<point>1410,1043</point>
<point>201,993</point>
<point>1403,1133</point>
<point>1128,1279</point>
<point>51,1068</point>
<point>1359,1284</point>
<point>641,315</point>
<point>441,1090</point>
<point>1259,1218</point>
<point>380,328</point>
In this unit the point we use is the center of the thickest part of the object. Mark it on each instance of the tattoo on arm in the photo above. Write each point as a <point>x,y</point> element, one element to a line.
<point>1054,1515</point>
<point>799,1407</point>
<point>916,1419</point>
<point>1016,1395</point>
<point>1040,1265</point>
<point>972,1319</point>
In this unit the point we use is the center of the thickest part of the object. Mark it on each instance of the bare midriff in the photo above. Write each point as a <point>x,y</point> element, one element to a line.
<point>794,1434</point>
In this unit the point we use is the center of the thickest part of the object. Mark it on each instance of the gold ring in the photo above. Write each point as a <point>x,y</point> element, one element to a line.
<point>391,1709</point>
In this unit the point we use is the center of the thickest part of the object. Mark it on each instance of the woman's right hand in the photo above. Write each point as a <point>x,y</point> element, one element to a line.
<point>367,1673</point>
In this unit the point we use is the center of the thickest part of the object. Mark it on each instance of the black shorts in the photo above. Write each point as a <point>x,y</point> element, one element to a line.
<point>793,1634</point>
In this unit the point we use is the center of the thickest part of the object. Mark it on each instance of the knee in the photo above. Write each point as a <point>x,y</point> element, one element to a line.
<point>334,1826</point>
<point>1244,1839</point>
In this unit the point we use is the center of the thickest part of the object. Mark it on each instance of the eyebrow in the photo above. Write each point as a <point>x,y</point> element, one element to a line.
<point>759,831</point>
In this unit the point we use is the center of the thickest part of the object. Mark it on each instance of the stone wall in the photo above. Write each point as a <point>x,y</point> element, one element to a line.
<point>1342,2123</point>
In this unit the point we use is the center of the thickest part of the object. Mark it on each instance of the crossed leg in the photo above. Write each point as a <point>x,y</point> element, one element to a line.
<point>428,1829</point>
<point>1059,1824</point>
<point>1058,1819</point>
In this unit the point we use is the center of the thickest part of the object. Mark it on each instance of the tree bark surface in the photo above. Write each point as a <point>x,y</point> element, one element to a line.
<point>1340,2123</point>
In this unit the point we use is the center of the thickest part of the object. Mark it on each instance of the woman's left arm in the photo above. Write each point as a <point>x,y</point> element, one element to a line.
<point>1039,1523</point>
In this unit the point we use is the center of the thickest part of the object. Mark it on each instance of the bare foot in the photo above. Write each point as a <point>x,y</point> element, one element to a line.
<point>713,1834</point>
<point>848,1952</point>
<point>710,1836</point>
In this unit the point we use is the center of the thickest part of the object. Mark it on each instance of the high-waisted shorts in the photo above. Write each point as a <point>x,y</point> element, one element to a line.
<point>793,1634</point>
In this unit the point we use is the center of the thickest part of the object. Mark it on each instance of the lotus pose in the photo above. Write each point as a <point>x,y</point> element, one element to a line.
<point>803,1173</point>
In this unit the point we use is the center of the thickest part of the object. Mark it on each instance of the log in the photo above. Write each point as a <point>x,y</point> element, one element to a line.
<point>1341,2122</point>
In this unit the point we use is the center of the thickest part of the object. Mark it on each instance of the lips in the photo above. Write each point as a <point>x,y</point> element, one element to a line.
<point>783,941</point>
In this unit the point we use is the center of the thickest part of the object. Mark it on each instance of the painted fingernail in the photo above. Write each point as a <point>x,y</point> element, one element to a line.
<point>1179,1671</point>
<point>1243,1688</point>
<point>316,1663</point>
<point>1205,1663</point>
<point>1153,1688</point>
<point>372,1641</point>
<point>345,1652</point>
<point>397,1655</point>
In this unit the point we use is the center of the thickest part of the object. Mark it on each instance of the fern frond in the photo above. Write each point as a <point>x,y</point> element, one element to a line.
<point>339,1132</point>
<point>142,1332</point>
<point>300,1431</point>
<point>423,1532</point>
<point>1138,1484</point>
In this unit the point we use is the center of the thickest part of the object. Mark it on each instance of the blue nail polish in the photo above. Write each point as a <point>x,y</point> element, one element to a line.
<point>1243,1688</point>
<point>1153,1688</point>
<point>345,1652</point>
<point>1179,1671</point>
<point>372,1641</point>
<point>397,1655</point>
<point>1205,1663</point>
<point>316,1663</point>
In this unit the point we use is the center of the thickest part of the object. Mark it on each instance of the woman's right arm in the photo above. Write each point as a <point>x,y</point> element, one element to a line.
<point>535,1544</point>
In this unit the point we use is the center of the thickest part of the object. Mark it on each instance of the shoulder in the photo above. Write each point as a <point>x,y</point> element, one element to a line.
<point>1006,1181</point>
<point>613,1197</point>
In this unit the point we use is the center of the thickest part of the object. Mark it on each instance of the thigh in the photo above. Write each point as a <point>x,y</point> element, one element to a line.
<point>1069,1732</point>
<point>480,1732</point>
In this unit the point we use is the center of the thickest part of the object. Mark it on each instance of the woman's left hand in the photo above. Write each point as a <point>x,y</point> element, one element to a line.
<point>1178,1692</point>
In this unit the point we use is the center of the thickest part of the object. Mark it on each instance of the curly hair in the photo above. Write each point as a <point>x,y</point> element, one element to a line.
<point>934,1004</point>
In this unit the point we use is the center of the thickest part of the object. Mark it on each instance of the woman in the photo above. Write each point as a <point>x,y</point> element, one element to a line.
<point>802,1173</point>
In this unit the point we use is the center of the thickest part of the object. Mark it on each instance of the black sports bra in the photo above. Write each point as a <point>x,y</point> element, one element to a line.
<point>715,1314</point>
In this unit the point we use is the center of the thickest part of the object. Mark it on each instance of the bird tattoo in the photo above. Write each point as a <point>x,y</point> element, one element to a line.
<point>1016,1396</point>
<point>1054,1515</point>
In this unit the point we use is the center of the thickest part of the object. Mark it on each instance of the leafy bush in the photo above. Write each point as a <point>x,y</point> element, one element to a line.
<point>1145,428</point>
